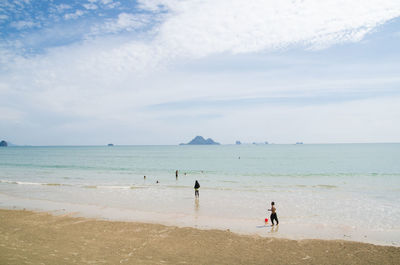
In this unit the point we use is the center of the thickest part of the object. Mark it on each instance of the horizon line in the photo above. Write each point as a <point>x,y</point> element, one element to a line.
<point>258,144</point>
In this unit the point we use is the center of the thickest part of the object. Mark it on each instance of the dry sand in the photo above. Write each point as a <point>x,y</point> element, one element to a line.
<point>40,238</point>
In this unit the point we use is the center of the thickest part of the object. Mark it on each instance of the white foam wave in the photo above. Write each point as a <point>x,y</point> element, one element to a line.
<point>19,182</point>
<point>114,187</point>
<point>31,183</point>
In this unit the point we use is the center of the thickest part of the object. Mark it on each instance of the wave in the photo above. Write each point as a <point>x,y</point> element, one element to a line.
<point>71,185</point>
<point>90,187</point>
<point>79,167</point>
<point>179,186</point>
<point>229,181</point>
<point>113,187</point>
<point>33,183</point>
<point>325,186</point>
<point>118,187</point>
<point>56,184</point>
<point>20,182</point>
<point>129,187</point>
<point>309,175</point>
<point>8,182</point>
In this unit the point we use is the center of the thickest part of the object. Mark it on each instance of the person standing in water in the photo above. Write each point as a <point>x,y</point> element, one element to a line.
<point>273,214</point>
<point>176,174</point>
<point>196,189</point>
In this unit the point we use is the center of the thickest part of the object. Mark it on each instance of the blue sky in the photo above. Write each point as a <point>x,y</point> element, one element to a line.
<point>164,71</point>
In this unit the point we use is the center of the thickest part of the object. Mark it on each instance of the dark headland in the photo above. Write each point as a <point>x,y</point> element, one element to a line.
<point>199,140</point>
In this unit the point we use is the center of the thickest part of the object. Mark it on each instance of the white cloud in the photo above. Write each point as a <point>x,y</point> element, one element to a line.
<point>21,2</point>
<point>124,22</point>
<point>10,115</point>
<point>204,27</point>
<point>104,80</point>
<point>62,7</point>
<point>195,29</point>
<point>75,15</point>
<point>368,120</point>
<point>23,24</point>
<point>90,6</point>
<point>128,21</point>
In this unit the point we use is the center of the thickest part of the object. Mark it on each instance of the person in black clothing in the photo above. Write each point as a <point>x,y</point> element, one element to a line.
<point>273,214</point>
<point>196,189</point>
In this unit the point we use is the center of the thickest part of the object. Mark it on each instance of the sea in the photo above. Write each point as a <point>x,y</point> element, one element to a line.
<point>322,191</point>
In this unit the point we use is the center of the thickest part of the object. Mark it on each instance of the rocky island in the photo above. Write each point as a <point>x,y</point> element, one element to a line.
<point>199,140</point>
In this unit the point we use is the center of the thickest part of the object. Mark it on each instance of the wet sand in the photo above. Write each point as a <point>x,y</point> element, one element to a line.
<point>40,238</point>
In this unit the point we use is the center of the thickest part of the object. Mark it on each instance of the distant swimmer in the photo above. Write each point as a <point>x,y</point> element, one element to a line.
<point>273,214</point>
<point>176,174</point>
<point>196,189</point>
<point>157,181</point>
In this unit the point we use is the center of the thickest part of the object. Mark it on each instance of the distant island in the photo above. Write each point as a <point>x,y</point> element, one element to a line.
<point>3,143</point>
<point>199,140</point>
<point>110,145</point>
<point>260,143</point>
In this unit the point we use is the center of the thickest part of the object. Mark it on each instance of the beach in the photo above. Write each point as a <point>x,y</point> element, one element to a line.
<point>325,192</point>
<point>178,132</point>
<point>41,238</point>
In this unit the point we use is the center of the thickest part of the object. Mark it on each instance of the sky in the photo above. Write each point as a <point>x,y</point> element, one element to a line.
<point>163,71</point>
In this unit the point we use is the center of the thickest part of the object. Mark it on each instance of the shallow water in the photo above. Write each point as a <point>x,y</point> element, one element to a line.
<point>336,191</point>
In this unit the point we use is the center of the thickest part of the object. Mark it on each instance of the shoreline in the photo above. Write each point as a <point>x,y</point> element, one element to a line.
<point>250,227</point>
<point>40,237</point>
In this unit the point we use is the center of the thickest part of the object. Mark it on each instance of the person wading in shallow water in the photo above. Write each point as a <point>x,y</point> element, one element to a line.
<point>273,214</point>
<point>196,189</point>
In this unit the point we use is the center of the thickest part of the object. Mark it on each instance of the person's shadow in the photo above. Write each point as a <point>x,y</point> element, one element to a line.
<point>262,226</point>
<point>274,229</point>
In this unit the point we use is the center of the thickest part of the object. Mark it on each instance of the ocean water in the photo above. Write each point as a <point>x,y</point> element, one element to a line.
<point>331,191</point>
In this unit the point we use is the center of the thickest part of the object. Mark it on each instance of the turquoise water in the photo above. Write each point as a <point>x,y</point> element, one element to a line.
<point>350,190</point>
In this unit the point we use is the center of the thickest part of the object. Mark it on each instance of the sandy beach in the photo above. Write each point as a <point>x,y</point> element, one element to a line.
<point>41,238</point>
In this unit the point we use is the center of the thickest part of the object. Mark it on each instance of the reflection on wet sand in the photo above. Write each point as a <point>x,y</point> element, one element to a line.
<point>274,229</point>
<point>196,205</point>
